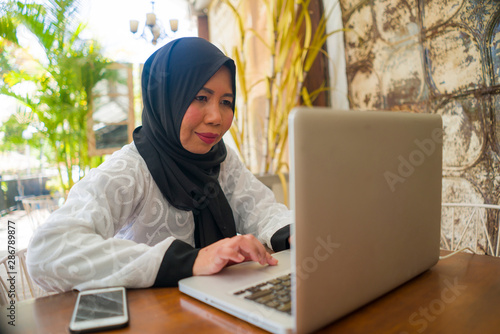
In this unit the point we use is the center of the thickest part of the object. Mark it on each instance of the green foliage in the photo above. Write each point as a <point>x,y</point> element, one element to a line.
<point>63,75</point>
<point>13,130</point>
<point>13,139</point>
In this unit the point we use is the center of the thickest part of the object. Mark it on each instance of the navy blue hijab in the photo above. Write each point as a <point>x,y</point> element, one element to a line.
<point>171,79</point>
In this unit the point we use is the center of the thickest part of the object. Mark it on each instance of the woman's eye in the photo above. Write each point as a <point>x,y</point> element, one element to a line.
<point>201,98</point>
<point>227,103</point>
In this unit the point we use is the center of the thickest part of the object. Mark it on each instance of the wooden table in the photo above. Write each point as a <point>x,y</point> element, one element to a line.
<point>460,294</point>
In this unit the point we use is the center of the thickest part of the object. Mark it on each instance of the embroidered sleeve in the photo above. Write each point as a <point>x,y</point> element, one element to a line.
<point>76,247</point>
<point>255,208</point>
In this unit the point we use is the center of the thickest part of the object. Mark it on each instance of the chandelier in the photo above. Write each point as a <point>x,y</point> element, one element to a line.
<point>153,29</point>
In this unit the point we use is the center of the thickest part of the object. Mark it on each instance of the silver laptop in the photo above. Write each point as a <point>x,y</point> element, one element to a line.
<point>365,188</point>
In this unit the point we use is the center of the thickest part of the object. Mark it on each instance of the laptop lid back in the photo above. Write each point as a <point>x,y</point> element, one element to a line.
<point>366,190</point>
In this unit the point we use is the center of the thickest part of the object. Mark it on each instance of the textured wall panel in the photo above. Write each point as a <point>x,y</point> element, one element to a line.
<point>495,138</point>
<point>403,80</point>
<point>359,36</point>
<point>454,61</point>
<point>439,12</point>
<point>394,18</point>
<point>463,123</point>
<point>495,52</point>
<point>436,56</point>
<point>365,89</point>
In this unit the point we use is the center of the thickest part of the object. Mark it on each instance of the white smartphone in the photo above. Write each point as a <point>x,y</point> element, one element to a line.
<point>100,309</point>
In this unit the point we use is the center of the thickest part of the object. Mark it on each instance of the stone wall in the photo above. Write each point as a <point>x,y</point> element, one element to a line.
<point>440,56</point>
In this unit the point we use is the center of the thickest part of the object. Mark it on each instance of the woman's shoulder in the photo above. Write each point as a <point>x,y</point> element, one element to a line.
<point>124,168</point>
<point>232,168</point>
<point>128,154</point>
<point>125,161</point>
<point>232,156</point>
<point>129,150</point>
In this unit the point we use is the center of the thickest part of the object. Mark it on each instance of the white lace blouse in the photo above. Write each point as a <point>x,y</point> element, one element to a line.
<point>116,226</point>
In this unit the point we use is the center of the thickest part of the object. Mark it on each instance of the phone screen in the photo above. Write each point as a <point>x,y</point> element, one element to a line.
<point>100,305</point>
<point>99,310</point>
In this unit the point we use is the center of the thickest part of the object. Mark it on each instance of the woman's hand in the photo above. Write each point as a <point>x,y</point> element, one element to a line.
<point>240,248</point>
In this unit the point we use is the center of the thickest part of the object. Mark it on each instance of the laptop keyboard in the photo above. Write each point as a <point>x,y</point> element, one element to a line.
<point>275,293</point>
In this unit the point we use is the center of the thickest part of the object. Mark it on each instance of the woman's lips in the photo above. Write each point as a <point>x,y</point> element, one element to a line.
<point>207,137</point>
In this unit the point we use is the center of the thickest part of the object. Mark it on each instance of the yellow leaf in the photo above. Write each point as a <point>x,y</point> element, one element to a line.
<point>306,97</point>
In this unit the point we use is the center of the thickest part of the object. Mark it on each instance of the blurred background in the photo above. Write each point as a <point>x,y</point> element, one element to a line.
<point>68,92</point>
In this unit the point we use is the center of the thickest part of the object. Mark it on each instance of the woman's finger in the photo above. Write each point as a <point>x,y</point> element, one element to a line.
<point>213,258</point>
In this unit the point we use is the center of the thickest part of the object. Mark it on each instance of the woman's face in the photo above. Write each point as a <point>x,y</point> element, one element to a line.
<point>210,114</point>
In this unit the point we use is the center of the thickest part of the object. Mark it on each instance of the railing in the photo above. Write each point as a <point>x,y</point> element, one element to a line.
<point>466,225</point>
<point>17,285</point>
<point>38,209</point>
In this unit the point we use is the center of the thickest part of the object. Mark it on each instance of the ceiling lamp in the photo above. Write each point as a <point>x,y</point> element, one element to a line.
<point>153,29</point>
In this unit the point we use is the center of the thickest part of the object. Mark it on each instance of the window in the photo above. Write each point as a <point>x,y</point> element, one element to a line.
<point>111,119</point>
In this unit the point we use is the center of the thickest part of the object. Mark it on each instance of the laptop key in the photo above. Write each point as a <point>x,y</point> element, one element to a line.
<point>284,299</point>
<point>253,289</point>
<point>273,304</point>
<point>266,299</point>
<point>283,292</point>
<point>258,294</point>
<point>287,307</point>
<point>274,294</point>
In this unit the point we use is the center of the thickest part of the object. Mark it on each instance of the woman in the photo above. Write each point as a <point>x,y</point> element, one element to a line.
<point>176,201</point>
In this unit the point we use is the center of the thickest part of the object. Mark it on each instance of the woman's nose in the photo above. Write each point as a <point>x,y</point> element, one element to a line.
<point>213,115</point>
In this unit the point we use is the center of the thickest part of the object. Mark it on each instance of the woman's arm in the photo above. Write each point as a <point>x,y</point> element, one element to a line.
<point>76,248</point>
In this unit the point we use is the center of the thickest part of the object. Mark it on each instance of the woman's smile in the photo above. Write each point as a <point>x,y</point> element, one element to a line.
<point>208,137</point>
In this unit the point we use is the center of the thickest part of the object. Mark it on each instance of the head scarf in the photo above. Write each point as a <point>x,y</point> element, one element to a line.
<point>171,79</point>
